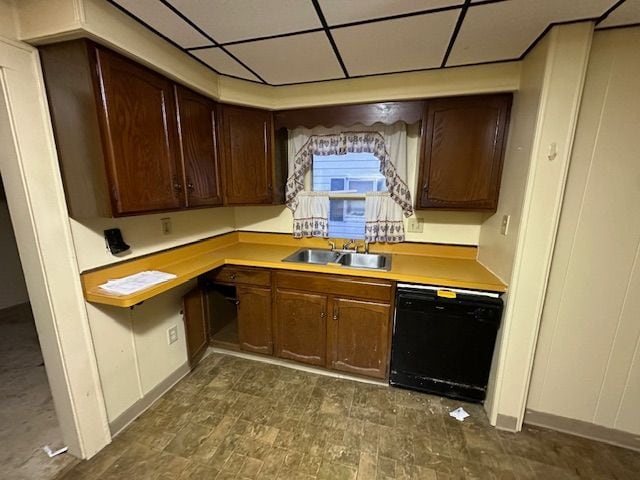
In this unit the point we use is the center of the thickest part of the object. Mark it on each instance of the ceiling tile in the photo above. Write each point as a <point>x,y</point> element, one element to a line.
<point>162,19</point>
<point>346,11</point>
<point>223,63</point>
<point>293,59</point>
<point>504,30</point>
<point>409,43</point>
<point>626,14</point>
<point>231,20</point>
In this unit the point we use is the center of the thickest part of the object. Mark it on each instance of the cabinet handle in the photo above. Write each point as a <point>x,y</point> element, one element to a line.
<point>335,316</point>
<point>322,315</point>
<point>190,186</point>
<point>237,302</point>
<point>425,187</point>
<point>177,186</point>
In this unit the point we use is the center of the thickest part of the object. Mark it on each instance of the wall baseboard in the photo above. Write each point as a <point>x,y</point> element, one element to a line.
<point>135,410</point>
<point>583,429</point>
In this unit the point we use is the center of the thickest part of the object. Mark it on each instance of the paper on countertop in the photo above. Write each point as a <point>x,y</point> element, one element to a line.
<point>459,414</point>
<point>136,282</point>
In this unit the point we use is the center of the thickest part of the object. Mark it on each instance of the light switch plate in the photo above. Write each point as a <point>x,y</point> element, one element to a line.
<point>172,334</point>
<point>504,226</point>
<point>415,225</point>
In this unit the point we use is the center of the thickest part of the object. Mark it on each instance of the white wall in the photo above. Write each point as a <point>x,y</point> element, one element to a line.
<point>497,251</point>
<point>8,23</point>
<point>563,78</point>
<point>13,290</point>
<point>132,349</point>
<point>143,233</point>
<point>36,202</point>
<point>587,364</point>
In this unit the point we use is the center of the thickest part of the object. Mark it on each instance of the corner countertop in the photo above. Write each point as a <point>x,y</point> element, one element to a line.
<point>442,265</point>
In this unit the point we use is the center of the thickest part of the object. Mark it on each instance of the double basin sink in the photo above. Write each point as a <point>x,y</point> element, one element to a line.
<point>374,261</point>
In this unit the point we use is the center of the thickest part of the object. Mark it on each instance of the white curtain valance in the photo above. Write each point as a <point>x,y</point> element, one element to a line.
<point>311,215</point>
<point>344,142</point>
<point>383,219</point>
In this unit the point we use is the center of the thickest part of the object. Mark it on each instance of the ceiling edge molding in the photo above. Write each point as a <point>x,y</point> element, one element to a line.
<point>476,79</point>
<point>58,20</point>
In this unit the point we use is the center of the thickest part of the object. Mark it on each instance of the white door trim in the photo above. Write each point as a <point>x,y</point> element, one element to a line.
<point>33,185</point>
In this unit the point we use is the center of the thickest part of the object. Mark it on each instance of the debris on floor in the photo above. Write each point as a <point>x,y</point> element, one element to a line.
<point>54,453</point>
<point>459,414</point>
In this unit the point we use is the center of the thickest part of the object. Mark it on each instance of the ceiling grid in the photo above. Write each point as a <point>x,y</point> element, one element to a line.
<point>285,42</point>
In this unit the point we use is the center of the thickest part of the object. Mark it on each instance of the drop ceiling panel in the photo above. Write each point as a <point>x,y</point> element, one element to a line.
<point>162,19</point>
<point>231,20</point>
<point>504,30</point>
<point>223,63</point>
<point>298,58</point>
<point>396,45</point>
<point>626,14</point>
<point>346,11</point>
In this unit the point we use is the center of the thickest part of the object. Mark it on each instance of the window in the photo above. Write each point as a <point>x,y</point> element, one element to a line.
<point>347,178</point>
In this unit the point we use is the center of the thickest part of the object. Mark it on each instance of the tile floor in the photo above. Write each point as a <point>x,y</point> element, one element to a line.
<point>27,418</point>
<point>236,418</point>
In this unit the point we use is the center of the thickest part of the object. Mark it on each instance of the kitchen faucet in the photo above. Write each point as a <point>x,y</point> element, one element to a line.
<point>347,244</point>
<point>365,247</point>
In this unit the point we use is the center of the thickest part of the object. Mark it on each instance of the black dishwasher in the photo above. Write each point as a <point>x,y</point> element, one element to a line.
<point>443,340</point>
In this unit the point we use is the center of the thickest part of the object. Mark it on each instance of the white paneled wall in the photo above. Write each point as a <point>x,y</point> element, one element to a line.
<point>587,364</point>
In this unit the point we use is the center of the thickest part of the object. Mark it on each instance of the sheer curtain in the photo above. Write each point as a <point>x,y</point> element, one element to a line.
<point>311,216</point>
<point>383,219</point>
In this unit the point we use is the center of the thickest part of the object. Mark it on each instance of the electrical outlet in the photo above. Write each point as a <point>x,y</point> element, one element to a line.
<point>172,334</point>
<point>166,225</point>
<point>504,226</point>
<point>415,225</point>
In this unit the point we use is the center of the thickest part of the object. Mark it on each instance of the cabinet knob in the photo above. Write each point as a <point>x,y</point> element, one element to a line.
<point>177,186</point>
<point>425,187</point>
<point>322,315</point>
<point>237,302</point>
<point>335,316</point>
<point>233,276</point>
<point>190,186</point>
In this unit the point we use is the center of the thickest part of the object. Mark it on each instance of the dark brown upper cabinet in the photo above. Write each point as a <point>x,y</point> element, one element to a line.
<point>116,132</point>
<point>246,138</point>
<point>129,140</point>
<point>199,151</point>
<point>138,120</point>
<point>463,141</point>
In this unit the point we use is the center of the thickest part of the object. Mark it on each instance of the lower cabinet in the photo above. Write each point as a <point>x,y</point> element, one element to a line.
<point>195,324</point>
<point>301,325</point>
<point>332,321</point>
<point>254,319</point>
<point>359,337</point>
<point>337,322</point>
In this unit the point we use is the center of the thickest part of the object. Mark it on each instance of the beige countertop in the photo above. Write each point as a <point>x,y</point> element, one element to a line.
<point>442,265</point>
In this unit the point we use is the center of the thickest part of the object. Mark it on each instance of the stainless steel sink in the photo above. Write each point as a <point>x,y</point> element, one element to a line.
<point>318,256</point>
<point>366,260</point>
<point>313,255</point>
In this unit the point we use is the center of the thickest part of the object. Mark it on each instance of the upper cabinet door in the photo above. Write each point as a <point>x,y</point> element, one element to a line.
<point>248,163</point>
<point>197,134</point>
<point>462,152</point>
<point>138,117</point>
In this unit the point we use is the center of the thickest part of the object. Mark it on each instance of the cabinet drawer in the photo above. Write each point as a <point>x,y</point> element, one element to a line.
<point>358,287</point>
<point>249,276</point>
